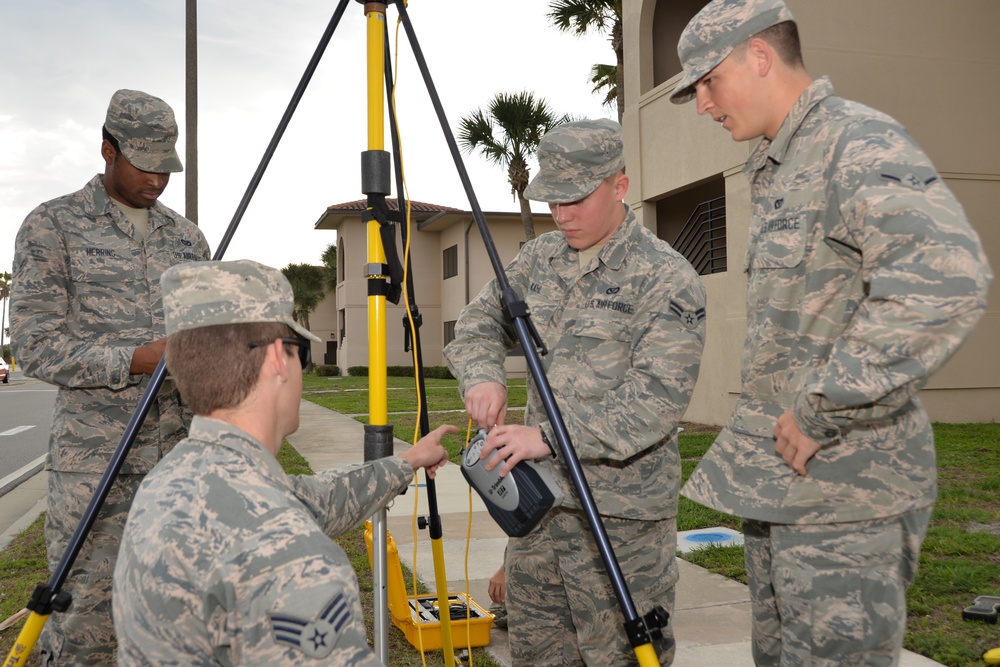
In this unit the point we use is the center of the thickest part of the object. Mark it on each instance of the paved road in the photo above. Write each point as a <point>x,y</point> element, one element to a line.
<point>25,418</point>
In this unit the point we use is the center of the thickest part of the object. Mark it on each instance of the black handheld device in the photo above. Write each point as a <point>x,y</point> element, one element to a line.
<point>516,502</point>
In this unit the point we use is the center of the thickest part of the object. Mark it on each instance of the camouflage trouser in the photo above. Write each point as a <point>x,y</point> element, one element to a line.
<point>560,604</point>
<point>832,594</point>
<point>84,634</point>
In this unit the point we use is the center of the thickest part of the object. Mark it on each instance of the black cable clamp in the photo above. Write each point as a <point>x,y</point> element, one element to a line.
<point>517,308</point>
<point>43,602</point>
<point>418,321</point>
<point>649,628</point>
<point>393,268</point>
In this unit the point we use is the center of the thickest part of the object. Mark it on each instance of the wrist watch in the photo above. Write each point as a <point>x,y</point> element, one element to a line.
<point>545,439</point>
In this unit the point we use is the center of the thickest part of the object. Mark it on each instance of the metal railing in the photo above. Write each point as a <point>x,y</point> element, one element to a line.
<point>702,240</point>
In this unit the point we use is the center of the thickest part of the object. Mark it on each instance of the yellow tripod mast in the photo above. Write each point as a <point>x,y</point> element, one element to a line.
<point>375,167</point>
<point>378,431</point>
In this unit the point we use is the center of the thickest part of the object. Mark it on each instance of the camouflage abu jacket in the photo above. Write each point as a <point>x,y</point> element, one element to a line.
<point>624,342</point>
<point>226,560</point>
<point>864,277</point>
<point>86,293</point>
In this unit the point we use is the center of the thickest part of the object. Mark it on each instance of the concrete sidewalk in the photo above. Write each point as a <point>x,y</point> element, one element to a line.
<point>712,613</point>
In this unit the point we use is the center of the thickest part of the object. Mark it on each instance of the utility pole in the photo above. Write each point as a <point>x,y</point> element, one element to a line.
<point>191,112</point>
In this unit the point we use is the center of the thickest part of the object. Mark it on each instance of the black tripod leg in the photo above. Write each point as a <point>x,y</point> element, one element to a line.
<point>50,597</point>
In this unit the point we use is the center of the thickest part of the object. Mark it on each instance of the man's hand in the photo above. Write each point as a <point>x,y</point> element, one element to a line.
<point>486,403</point>
<point>146,358</point>
<point>795,447</point>
<point>428,452</point>
<point>498,586</point>
<point>515,443</point>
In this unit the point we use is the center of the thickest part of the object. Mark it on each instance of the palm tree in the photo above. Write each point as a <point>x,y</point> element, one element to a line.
<point>5,279</point>
<point>506,133</point>
<point>329,259</point>
<point>605,80</point>
<point>582,16</point>
<point>308,289</point>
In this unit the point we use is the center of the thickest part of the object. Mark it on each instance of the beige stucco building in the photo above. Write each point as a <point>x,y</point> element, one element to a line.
<point>449,264</point>
<point>933,65</point>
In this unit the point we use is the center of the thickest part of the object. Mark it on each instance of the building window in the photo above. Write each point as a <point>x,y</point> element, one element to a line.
<point>340,260</point>
<point>450,262</point>
<point>449,331</point>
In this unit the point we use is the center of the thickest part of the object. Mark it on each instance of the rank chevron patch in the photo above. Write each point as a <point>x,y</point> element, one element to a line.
<point>689,318</point>
<point>314,638</point>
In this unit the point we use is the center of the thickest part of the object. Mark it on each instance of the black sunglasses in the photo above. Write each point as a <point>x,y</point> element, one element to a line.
<point>304,346</point>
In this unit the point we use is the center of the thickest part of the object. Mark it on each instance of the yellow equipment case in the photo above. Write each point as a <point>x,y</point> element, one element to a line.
<point>470,623</point>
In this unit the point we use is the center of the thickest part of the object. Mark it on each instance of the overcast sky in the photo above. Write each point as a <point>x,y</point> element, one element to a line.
<point>61,60</point>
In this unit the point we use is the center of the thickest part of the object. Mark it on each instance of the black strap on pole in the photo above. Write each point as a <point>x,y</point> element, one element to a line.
<point>50,597</point>
<point>638,629</point>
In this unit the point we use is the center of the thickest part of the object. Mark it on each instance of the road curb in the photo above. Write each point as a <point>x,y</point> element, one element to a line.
<point>14,479</point>
<point>26,520</point>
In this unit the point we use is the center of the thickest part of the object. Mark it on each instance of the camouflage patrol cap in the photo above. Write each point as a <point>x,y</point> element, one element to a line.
<point>715,31</point>
<point>202,294</point>
<point>146,130</point>
<point>574,158</point>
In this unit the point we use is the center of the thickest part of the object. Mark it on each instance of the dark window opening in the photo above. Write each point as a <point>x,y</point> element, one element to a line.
<point>449,331</point>
<point>669,21</point>
<point>450,262</point>
<point>694,223</point>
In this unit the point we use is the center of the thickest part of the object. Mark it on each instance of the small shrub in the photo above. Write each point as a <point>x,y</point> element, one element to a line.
<point>439,372</point>
<point>327,370</point>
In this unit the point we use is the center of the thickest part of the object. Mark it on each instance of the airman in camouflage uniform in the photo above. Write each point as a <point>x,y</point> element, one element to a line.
<point>864,278</point>
<point>225,559</point>
<point>623,317</point>
<point>86,316</point>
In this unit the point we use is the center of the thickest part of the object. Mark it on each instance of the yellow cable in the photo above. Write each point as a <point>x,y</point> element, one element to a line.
<point>468,541</point>
<point>416,357</point>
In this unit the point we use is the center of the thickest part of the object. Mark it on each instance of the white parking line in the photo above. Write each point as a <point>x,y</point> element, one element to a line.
<point>18,429</point>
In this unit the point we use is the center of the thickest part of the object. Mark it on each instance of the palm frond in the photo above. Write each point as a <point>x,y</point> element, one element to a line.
<point>581,16</point>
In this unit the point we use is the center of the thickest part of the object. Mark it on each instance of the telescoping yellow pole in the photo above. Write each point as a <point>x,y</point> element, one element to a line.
<point>378,434</point>
<point>375,14</point>
<point>25,641</point>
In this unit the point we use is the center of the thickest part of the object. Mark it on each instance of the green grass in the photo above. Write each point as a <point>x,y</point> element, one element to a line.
<point>724,560</point>
<point>349,395</point>
<point>690,515</point>
<point>22,567</point>
<point>961,555</point>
